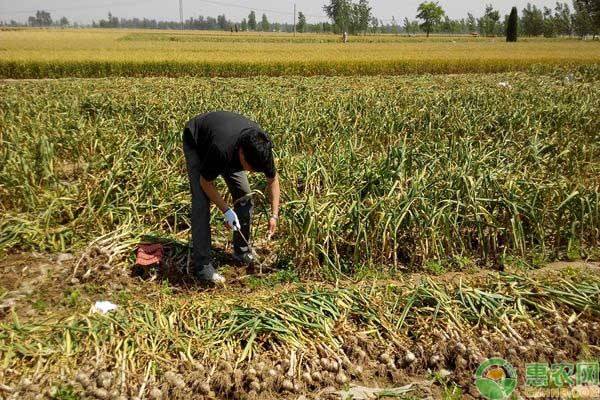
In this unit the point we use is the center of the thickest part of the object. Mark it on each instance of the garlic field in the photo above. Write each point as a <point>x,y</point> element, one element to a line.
<point>428,222</point>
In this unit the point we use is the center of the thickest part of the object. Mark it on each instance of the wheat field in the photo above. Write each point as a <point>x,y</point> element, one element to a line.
<point>54,53</point>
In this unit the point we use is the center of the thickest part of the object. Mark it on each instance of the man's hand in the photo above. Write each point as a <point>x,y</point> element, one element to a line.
<point>272,227</point>
<point>231,219</point>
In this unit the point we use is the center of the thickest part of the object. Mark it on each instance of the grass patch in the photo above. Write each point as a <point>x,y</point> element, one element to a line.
<point>274,279</point>
<point>40,305</point>
<point>72,297</point>
<point>64,393</point>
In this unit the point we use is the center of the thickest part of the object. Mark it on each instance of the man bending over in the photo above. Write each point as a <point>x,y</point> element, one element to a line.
<point>226,144</point>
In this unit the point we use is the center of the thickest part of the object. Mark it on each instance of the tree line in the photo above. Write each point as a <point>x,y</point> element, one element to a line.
<point>41,18</point>
<point>221,22</point>
<point>582,18</point>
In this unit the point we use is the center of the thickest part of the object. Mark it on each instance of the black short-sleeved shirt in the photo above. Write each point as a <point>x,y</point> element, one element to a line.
<point>216,135</point>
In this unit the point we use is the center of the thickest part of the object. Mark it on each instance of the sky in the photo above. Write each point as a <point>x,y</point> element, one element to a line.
<point>84,11</point>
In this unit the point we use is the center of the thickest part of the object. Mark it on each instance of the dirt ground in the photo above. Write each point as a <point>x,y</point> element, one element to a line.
<point>36,287</point>
<point>28,278</point>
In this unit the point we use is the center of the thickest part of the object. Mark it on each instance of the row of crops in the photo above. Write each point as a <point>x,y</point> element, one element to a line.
<point>37,69</point>
<point>94,53</point>
<point>284,342</point>
<point>375,170</point>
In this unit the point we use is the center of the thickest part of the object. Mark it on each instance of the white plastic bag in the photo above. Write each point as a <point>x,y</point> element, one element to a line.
<point>103,307</point>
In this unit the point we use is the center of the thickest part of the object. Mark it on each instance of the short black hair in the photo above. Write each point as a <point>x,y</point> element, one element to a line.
<point>258,151</point>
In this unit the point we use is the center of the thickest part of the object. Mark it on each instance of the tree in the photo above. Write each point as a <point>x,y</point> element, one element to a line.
<point>41,18</point>
<point>374,24</point>
<point>489,21</point>
<point>64,22</point>
<point>594,10</point>
<point>222,21</point>
<point>362,16</point>
<point>411,26</point>
<point>301,25</point>
<point>252,21</point>
<point>587,15</point>
<point>549,23</point>
<point>431,13</point>
<point>532,21</point>
<point>582,21</point>
<point>406,25</point>
<point>446,25</point>
<point>563,19</point>
<point>44,18</point>
<point>471,23</point>
<point>111,22</point>
<point>244,25</point>
<point>264,23</point>
<point>512,26</point>
<point>594,6</point>
<point>395,29</point>
<point>340,12</point>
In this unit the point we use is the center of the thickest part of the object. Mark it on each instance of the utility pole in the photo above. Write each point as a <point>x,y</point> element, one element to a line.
<point>294,19</point>
<point>181,13</point>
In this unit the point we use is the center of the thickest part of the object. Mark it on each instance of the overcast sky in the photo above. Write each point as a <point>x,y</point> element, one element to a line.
<point>85,11</point>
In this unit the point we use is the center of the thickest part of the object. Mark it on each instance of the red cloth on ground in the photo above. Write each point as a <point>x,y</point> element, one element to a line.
<point>149,253</point>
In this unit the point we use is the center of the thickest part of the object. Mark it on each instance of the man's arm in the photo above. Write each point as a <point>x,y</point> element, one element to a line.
<point>213,194</point>
<point>273,187</point>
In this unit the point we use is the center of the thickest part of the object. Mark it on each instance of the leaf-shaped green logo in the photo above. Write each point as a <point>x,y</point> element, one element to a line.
<point>490,389</point>
<point>509,385</point>
<point>503,382</point>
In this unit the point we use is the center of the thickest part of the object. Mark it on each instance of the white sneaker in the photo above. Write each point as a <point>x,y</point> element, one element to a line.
<point>244,256</point>
<point>208,274</point>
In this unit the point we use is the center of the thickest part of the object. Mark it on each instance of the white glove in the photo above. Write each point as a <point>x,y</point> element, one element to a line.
<point>231,219</point>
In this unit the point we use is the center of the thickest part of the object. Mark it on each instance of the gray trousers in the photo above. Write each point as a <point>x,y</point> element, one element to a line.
<point>238,185</point>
